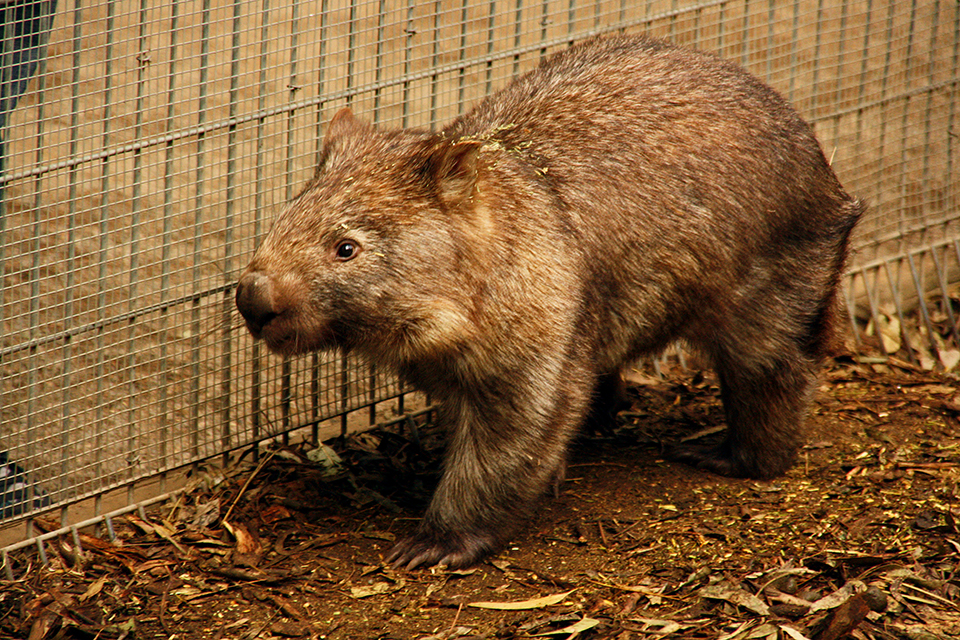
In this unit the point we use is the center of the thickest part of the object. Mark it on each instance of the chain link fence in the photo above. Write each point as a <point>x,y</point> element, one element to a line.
<point>146,146</point>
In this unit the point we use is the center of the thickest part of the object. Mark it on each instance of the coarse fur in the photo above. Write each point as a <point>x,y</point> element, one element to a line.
<point>625,194</point>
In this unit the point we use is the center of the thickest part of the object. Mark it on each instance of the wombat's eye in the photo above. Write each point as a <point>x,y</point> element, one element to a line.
<point>346,250</point>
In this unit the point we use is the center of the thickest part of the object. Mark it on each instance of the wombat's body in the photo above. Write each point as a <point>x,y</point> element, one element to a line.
<point>625,194</point>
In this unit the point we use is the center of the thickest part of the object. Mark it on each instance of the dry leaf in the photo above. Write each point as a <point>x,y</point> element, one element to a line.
<point>793,633</point>
<point>207,513</point>
<point>167,534</point>
<point>736,633</point>
<point>327,459</point>
<point>660,627</point>
<point>451,634</point>
<point>949,358</point>
<point>766,630</point>
<point>246,543</point>
<point>577,627</point>
<point>838,597</point>
<point>735,595</point>
<point>888,330</point>
<point>94,588</point>
<point>536,603</point>
<point>375,589</point>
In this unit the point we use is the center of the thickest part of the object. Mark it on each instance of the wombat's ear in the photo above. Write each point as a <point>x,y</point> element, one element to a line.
<point>453,167</point>
<point>339,124</point>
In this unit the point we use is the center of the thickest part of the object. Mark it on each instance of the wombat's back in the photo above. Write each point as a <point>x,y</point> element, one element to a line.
<point>684,180</point>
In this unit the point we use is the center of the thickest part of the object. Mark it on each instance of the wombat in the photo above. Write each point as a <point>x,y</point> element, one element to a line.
<point>625,194</point>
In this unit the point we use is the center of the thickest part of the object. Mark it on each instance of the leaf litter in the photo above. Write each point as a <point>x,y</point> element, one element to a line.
<point>859,540</point>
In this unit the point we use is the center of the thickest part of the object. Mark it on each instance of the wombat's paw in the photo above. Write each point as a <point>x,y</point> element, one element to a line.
<point>724,461</point>
<point>427,548</point>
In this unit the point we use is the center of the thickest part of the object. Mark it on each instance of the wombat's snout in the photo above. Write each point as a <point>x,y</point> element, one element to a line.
<point>255,300</point>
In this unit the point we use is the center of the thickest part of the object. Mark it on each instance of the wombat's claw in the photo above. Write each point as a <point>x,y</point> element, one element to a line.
<point>426,549</point>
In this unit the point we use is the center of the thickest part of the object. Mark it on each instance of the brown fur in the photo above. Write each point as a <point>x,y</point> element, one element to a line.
<point>625,194</point>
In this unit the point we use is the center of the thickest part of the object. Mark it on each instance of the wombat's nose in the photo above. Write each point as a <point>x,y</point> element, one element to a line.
<point>255,300</point>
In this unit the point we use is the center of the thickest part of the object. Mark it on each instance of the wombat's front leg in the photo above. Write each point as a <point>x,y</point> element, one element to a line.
<point>500,460</point>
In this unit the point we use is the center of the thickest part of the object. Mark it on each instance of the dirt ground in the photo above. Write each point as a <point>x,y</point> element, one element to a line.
<point>860,539</point>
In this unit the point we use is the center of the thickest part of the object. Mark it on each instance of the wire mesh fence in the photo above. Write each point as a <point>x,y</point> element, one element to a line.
<point>146,145</point>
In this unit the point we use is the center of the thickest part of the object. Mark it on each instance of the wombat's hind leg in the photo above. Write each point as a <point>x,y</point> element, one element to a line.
<point>765,411</point>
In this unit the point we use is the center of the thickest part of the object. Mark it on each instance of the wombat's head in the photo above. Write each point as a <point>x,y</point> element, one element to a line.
<point>367,256</point>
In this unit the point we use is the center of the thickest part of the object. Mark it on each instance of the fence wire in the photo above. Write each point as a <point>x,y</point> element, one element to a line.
<point>146,146</point>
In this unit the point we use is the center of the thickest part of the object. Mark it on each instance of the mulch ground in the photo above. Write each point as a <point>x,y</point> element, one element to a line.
<point>859,540</point>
